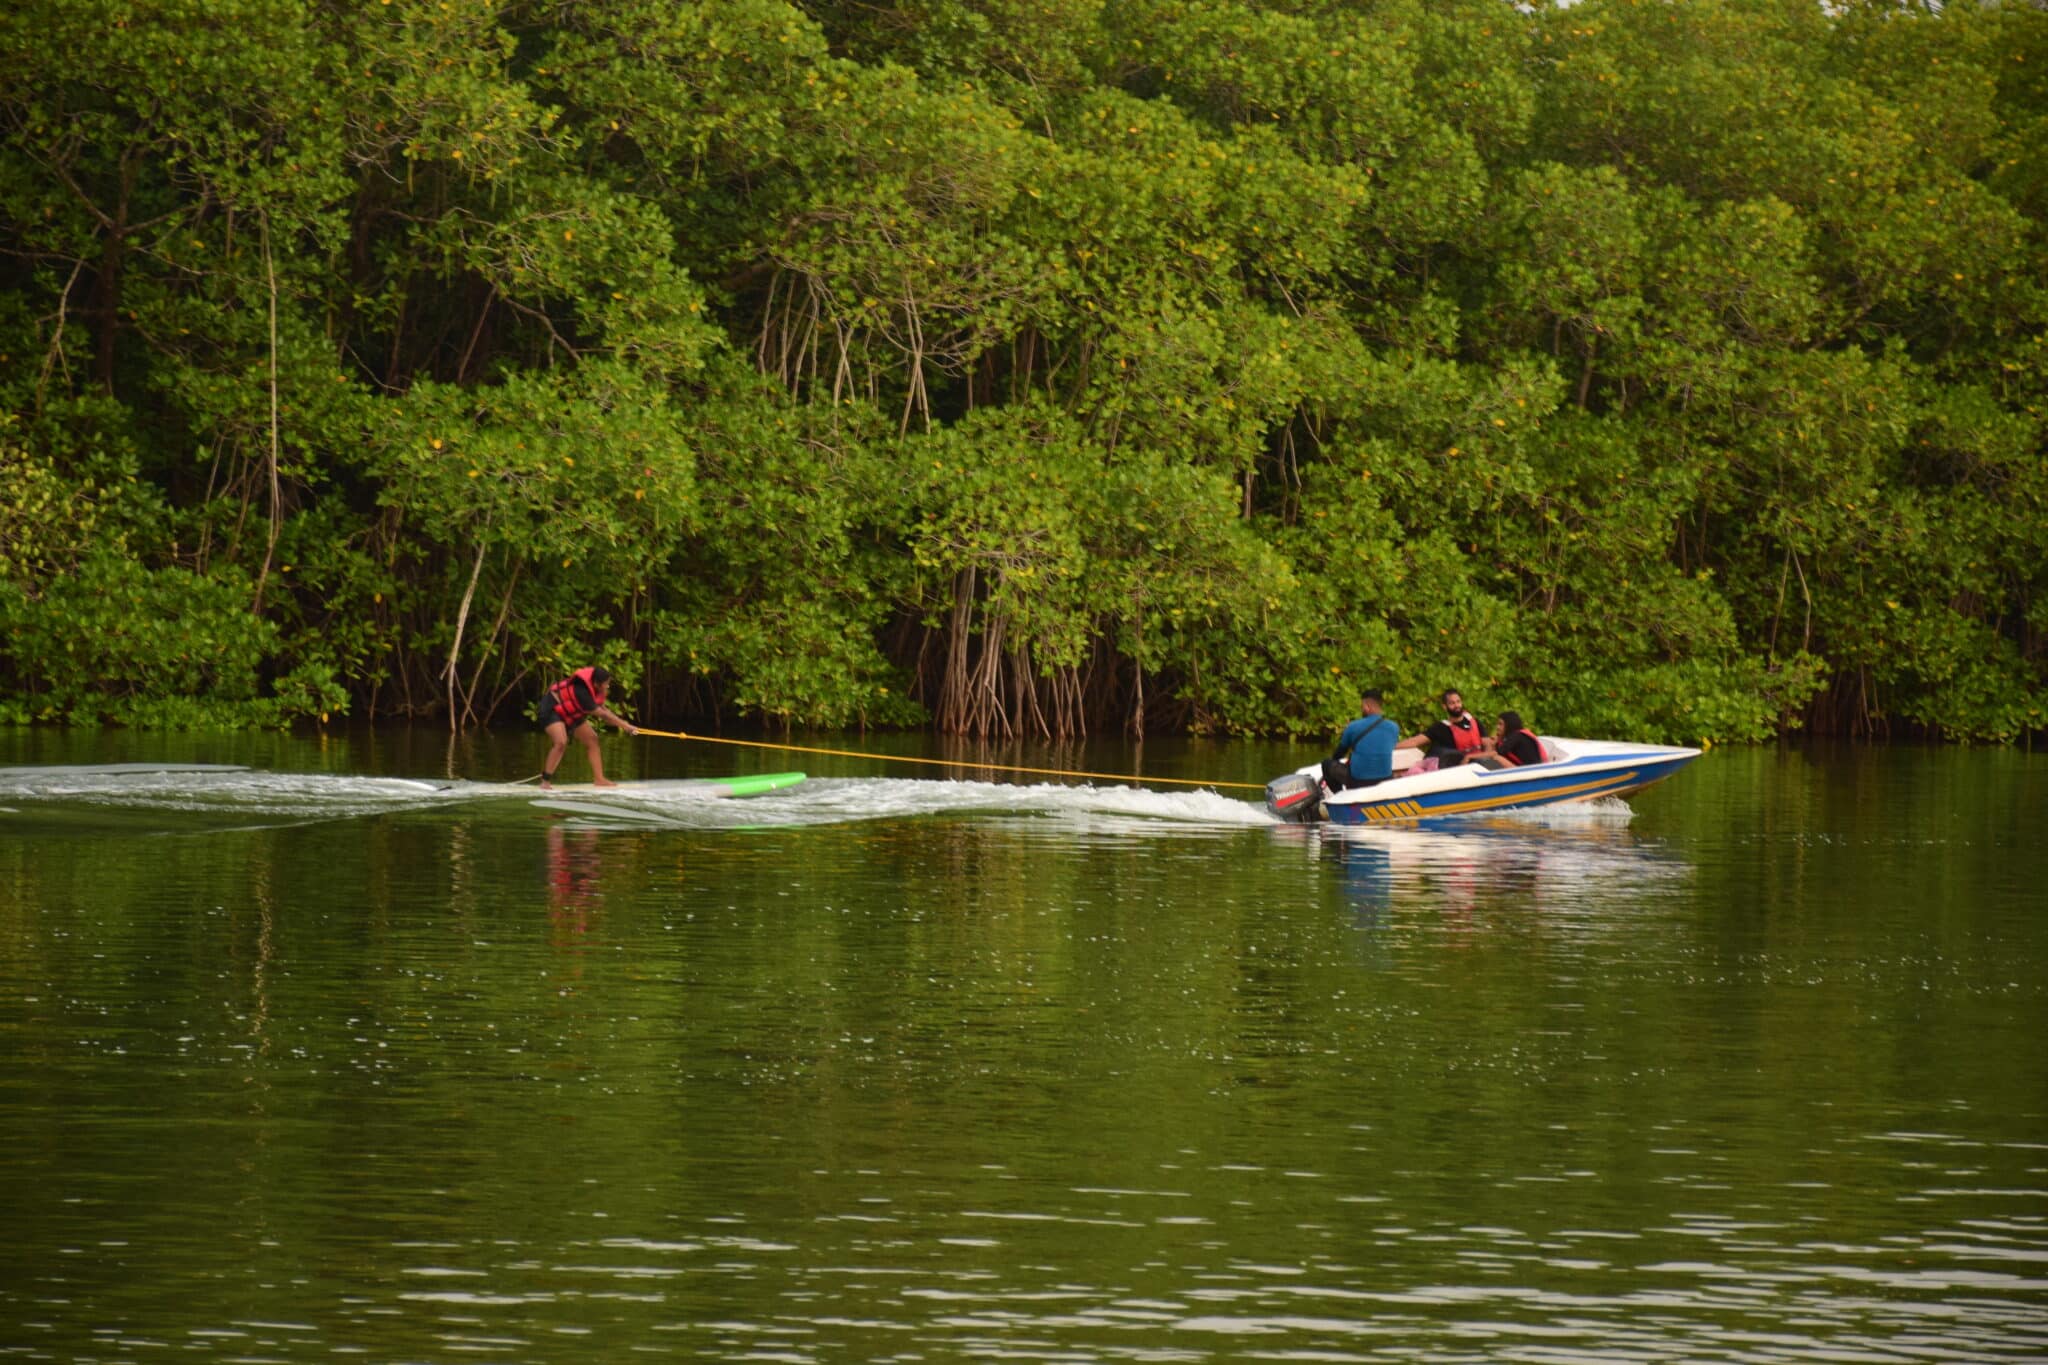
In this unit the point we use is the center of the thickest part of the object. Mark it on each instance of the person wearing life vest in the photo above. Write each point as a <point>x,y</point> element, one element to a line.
<point>1365,751</point>
<point>565,710</point>
<point>1515,743</point>
<point>1452,740</point>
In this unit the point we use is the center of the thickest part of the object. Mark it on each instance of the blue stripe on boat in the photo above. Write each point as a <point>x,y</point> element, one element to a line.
<point>1508,789</point>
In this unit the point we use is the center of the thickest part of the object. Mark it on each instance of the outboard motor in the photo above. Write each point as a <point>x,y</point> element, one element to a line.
<point>1297,798</point>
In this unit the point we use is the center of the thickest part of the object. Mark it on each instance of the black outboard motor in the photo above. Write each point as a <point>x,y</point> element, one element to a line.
<point>1297,798</point>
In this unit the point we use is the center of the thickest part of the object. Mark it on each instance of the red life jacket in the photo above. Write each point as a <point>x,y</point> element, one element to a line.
<point>1542,753</point>
<point>1469,739</point>
<point>567,710</point>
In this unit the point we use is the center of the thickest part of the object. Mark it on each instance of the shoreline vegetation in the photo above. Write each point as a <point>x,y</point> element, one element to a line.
<point>1027,368</point>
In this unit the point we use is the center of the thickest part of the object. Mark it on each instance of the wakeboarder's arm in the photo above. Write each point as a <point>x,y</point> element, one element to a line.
<point>605,713</point>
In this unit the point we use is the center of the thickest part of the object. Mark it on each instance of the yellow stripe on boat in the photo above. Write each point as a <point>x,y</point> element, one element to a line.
<point>1412,810</point>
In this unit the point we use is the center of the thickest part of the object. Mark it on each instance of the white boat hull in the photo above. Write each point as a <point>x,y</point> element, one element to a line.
<point>1579,770</point>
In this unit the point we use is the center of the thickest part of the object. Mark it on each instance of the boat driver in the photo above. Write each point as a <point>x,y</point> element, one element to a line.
<point>1365,751</point>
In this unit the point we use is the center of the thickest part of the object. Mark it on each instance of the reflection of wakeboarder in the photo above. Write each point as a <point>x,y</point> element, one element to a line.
<point>572,878</point>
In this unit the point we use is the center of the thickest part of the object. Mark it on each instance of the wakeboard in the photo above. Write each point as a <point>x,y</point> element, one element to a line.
<point>750,784</point>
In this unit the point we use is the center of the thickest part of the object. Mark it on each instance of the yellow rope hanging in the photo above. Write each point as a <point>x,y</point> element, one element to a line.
<point>948,763</point>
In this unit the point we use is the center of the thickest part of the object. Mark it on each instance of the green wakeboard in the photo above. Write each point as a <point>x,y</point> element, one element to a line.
<point>750,784</point>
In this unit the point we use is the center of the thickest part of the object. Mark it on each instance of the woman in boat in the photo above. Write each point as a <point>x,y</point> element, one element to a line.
<point>1514,744</point>
<point>565,710</point>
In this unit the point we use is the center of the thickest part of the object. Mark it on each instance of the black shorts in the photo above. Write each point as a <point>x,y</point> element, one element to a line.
<point>546,716</point>
<point>1337,776</point>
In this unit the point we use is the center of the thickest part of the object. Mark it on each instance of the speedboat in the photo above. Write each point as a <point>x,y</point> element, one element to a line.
<point>1578,770</point>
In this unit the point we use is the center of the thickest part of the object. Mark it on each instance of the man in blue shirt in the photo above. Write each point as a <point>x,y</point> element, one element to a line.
<point>1365,751</point>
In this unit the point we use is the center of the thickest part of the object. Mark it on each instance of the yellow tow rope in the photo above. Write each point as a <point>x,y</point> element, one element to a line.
<point>948,762</point>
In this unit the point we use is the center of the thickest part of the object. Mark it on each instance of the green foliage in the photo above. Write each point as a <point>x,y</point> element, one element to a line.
<point>47,523</point>
<point>1028,368</point>
<point>780,602</point>
<point>114,640</point>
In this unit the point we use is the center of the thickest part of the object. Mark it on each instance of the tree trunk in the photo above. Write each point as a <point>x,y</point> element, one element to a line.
<point>951,712</point>
<point>455,647</point>
<point>276,490</point>
<point>107,291</point>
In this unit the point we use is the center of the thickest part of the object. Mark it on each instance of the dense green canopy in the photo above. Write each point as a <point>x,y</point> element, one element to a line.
<point>1670,370</point>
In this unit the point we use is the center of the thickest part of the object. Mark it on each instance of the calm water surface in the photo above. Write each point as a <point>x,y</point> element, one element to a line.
<point>308,1063</point>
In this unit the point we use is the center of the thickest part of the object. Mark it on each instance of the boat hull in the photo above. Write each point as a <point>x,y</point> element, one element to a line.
<point>1587,771</point>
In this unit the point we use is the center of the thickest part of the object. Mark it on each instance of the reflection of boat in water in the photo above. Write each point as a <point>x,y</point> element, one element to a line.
<point>1580,857</point>
<point>1579,770</point>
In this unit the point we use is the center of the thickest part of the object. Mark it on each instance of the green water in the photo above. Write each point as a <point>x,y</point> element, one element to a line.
<point>307,1065</point>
